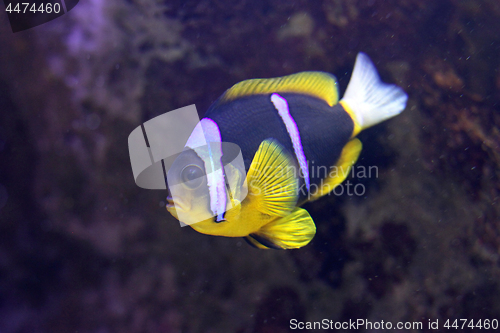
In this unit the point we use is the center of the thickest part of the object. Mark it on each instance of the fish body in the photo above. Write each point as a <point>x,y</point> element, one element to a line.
<point>321,141</point>
<point>288,129</point>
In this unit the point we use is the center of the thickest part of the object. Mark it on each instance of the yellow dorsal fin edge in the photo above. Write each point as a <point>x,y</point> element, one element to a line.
<point>317,84</point>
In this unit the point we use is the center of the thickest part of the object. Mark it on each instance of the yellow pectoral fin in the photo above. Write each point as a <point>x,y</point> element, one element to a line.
<point>290,232</point>
<point>272,186</point>
<point>339,172</point>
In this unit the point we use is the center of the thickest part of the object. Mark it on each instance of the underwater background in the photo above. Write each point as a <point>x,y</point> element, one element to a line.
<point>83,249</point>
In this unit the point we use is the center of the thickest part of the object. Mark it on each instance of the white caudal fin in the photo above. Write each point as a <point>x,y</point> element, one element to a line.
<point>371,100</point>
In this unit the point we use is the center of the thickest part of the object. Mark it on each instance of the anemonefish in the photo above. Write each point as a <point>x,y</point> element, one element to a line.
<point>281,124</point>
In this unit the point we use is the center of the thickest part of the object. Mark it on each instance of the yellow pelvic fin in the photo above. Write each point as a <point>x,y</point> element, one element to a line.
<point>339,172</point>
<point>290,232</point>
<point>357,126</point>
<point>255,243</point>
<point>317,84</point>
<point>272,186</point>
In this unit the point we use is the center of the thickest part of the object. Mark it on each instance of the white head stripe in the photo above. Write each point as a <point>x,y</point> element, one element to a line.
<point>207,134</point>
<point>282,106</point>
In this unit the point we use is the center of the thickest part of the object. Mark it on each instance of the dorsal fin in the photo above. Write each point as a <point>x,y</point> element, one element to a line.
<point>317,84</point>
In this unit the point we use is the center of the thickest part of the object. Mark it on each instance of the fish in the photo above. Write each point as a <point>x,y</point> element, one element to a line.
<point>284,127</point>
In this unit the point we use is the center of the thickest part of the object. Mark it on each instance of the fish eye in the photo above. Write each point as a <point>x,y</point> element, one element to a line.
<point>192,176</point>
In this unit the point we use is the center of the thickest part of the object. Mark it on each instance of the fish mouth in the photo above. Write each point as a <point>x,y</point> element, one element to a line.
<point>170,202</point>
<point>177,205</point>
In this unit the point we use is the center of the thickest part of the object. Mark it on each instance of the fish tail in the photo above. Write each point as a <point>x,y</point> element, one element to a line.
<point>369,100</point>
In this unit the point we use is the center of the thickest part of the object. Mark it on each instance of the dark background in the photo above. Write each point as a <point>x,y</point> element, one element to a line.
<point>83,249</point>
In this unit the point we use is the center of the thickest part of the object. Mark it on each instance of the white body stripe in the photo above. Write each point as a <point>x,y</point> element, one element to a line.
<point>282,106</point>
<point>207,134</point>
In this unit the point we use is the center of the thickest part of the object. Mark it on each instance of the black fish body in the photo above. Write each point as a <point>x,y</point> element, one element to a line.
<point>248,121</point>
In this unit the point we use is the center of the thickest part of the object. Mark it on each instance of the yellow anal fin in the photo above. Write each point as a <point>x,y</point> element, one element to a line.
<point>272,186</point>
<point>290,232</point>
<point>339,172</point>
<point>317,84</point>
